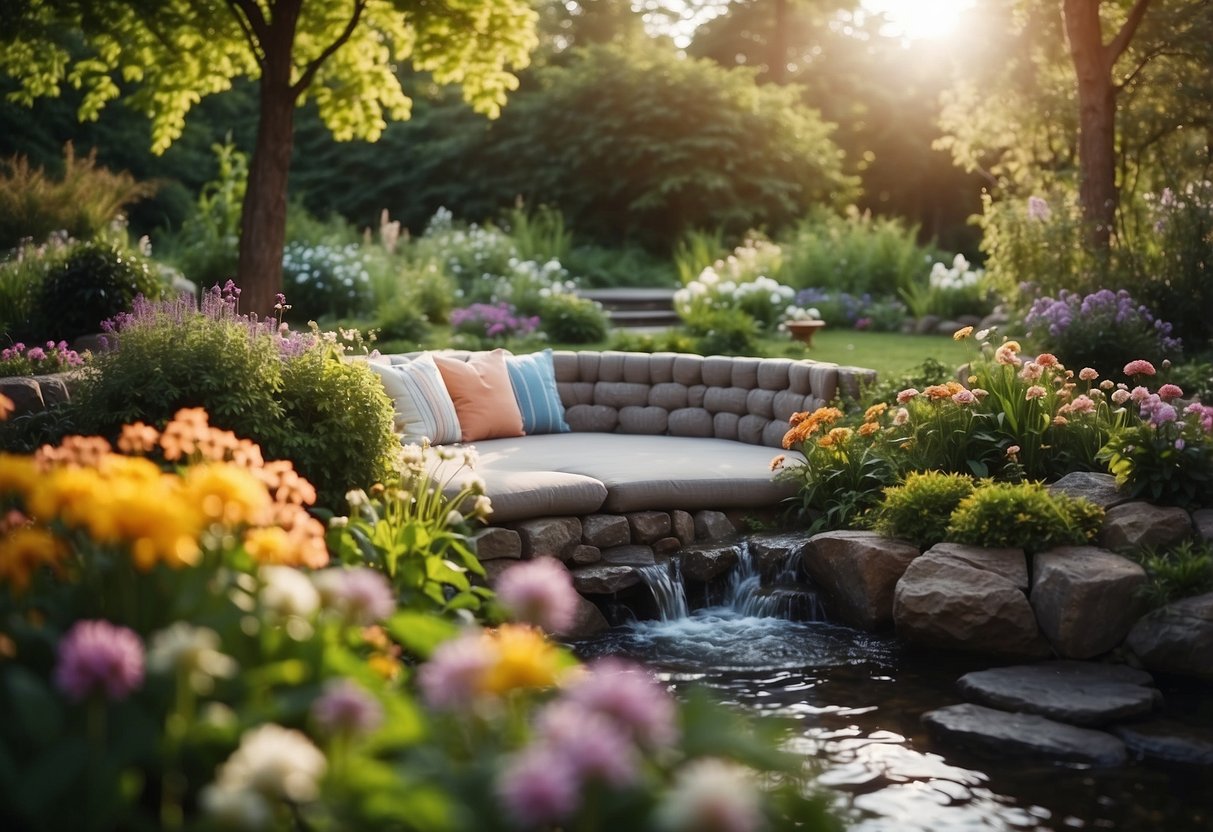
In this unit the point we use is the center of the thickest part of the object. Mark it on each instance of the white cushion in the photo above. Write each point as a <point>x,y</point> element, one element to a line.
<point>423,406</point>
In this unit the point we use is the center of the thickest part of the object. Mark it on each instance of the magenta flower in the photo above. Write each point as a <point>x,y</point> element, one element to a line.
<point>630,698</point>
<point>539,592</point>
<point>589,743</point>
<point>362,595</point>
<point>538,788</point>
<point>97,657</point>
<point>346,708</point>
<point>1140,367</point>
<point>1169,391</point>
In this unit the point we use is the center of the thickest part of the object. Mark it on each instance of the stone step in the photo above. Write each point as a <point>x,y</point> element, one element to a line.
<point>643,317</point>
<point>631,298</point>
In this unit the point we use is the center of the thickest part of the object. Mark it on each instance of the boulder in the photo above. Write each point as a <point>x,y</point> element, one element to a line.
<point>553,536</point>
<point>1085,599</point>
<point>1079,693</point>
<point>495,543</point>
<point>605,530</point>
<point>713,525</point>
<point>54,389</point>
<point>1165,739</point>
<point>649,526</point>
<point>999,732</point>
<point>25,393</point>
<point>588,621</point>
<point>1009,563</point>
<point>947,602</point>
<point>1136,525</point>
<point>772,552</point>
<point>584,553</point>
<point>705,563</point>
<point>666,546</point>
<point>630,555</point>
<point>1177,638</point>
<point>683,526</point>
<point>1099,489</point>
<point>858,571</point>
<point>1202,521</point>
<point>604,579</point>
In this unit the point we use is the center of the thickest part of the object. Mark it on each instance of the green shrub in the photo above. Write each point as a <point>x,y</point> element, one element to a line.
<point>538,235</point>
<point>724,332</point>
<point>671,340</point>
<point>920,508</point>
<point>1176,573</point>
<point>21,277</point>
<point>622,265</point>
<point>325,280</point>
<point>94,283</point>
<point>569,319</point>
<point>1024,516</point>
<point>402,319</point>
<point>205,248</point>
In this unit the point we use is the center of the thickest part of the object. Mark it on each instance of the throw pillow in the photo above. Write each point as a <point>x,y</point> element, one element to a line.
<point>483,396</point>
<point>534,380</point>
<point>423,406</point>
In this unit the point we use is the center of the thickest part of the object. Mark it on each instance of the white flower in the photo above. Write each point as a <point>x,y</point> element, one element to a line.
<point>276,763</point>
<point>194,650</point>
<point>711,795</point>
<point>233,806</point>
<point>288,592</point>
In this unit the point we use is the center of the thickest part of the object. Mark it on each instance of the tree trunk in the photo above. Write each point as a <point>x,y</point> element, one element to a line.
<point>263,221</point>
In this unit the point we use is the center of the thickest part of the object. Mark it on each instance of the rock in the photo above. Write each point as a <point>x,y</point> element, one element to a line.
<point>1009,563</point>
<point>1098,488</point>
<point>948,327</point>
<point>713,525</point>
<point>666,546</point>
<point>999,732</point>
<point>944,601</point>
<point>1085,599</point>
<point>1080,693</point>
<point>494,568</point>
<point>588,621</point>
<point>1136,525</point>
<point>704,563</point>
<point>496,542</point>
<point>631,555</point>
<point>926,324</point>
<point>553,536</point>
<point>773,551</point>
<point>54,389</point>
<point>604,579</point>
<point>1177,638</point>
<point>649,526</point>
<point>858,572</point>
<point>605,530</point>
<point>25,393</point>
<point>683,526</point>
<point>584,553</point>
<point>1165,739</point>
<point>1202,520</point>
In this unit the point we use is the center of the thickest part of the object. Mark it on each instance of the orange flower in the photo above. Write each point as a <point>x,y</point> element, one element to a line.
<point>868,428</point>
<point>777,462</point>
<point>84,451</point>
<point>875,411</point>
<point>138,438</point>
<point>6,407</point>
<point>834,437</point>
<point>962,333</point>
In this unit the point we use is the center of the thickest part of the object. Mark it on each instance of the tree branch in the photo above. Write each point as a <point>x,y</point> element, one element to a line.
<point>1120,43</point>
<point>309,72</point>
<point>252,23</point>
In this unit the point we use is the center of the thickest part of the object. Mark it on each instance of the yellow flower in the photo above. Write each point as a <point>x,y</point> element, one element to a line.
<point>525,659</point>
<point>962,333</point>
<point>25,550</point>
<point>270,545</point>
<point>225,493</point>
<point>18,474</point>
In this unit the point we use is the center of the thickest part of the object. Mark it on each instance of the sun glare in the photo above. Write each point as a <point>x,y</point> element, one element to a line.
<point>919,19</point>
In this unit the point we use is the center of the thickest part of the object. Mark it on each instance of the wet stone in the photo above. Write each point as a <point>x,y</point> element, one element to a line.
<point>605,530</point>
<point>999,732</point>
<point>604,579</point>
<point>713,525</point>
<point>705,563</point>
<point>1169,740</point>
<point>1080,693</point>
<point>772,551</point>
<point>631,555</point>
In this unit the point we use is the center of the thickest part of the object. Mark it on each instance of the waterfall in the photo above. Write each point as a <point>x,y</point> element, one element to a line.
<point>664,580</point>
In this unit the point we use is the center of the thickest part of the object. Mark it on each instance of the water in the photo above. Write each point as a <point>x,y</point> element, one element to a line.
<point>856,700</point>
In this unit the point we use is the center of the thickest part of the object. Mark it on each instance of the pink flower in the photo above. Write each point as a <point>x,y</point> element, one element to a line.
<point>1169,391</point>
<point>1088,374</point>
<point>347,708</point>
<point>590,744</point>
<point>451,680</point>
<point>1034,392</point>
<point>1081,404</point>
<point>1106,384</point>
<point>1047,359</point>
<point>630,698</point>
<point>97,657</point>
<point>538,788</point>
<point>361,595</point>
<point>1013,452</point>
<point>901,417</point>
<point>1140,367</point>
<point>1119,397</point>
<point>905,395</point>
<point>1031,371</point>
<point>1139,395</point>
<point>1008,354</point>
<point>539,592</point>
<point>964,397</point>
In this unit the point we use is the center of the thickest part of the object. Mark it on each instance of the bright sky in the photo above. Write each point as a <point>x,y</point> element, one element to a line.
<point>919,19</point>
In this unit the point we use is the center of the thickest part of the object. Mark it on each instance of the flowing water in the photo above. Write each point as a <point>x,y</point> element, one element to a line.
<point>856,700</point>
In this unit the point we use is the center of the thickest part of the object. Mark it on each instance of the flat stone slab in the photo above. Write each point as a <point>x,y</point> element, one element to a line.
<point>1098,488</point>
<point>604,580</point>
<point>987,729</point>
<point>1080,693</point>
<point>1165,739</point>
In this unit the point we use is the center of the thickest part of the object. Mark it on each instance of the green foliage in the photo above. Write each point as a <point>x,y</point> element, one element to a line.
<point>83,203</point>
<point>205,247</point>
<point>929,372</point>
<point>1024,516</point>
<point>622,265</point>
<point>919,509</point>
<point>322,280</point>
<point>723,332</point>
<point>949,293</point>
<point>671,340</point>
<point>1178,268</point>
<point>569,319</point>
<point>22,274</point>
<point>1168,462</point>
<point>695,251</point>
<point>402,319</point>
<point>538,235</point>
<point>95,282</point>
<point>1180,572</point>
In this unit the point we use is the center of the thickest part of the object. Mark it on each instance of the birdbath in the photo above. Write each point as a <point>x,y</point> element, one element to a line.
<point>804,330</point>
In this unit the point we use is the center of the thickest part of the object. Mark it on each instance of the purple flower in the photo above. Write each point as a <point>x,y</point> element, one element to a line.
<point>362,595</point>
<point>539,592</point>
<point>36,354</point>
<point>1038,209</point>
<point>452,678</point>
<point>588,743</point>
<point>97,657</point>
<point>538,788</point>
<point>346,708</point>
<point>627,695</point>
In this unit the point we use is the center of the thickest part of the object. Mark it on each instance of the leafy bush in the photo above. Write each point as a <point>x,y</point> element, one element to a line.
<point>538,235</point>
<point>919,509</point>
<point>568,319</point>
<point>325,280</point>
<point>846,311</point>
<point>724,332</point>
<point>1180,572</point>
<point>205,248</point>
<point>22,274</point>
<point>618,265</point>
<point>949,292</point>
<point>1038,241</point>
<point>671,340</point>
<point>1025,516</point>
<point>82,204</point>
<point>1179,268</point>
<point>740,283</point>
<point>402,319</point>
<point>1104,330</point>
<point>95,282</point>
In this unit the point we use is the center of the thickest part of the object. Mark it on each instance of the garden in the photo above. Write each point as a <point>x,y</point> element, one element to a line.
<point>231,598</point>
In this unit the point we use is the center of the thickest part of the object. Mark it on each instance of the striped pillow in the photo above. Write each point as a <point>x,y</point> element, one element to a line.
<point>424,409</point>
<point>533,378</point>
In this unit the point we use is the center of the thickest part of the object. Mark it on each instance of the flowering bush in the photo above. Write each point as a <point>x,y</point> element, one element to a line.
<point>569,319</point>
<point>325,280</point>
<point>846,311</point>
<point>1103,330</point>
<point>949,291</point>
<point>739,282</point>
<point>482,323</point>
<point>20,360</point>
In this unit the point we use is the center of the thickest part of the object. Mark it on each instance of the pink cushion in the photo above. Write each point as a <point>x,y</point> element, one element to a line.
<point>483,396</point>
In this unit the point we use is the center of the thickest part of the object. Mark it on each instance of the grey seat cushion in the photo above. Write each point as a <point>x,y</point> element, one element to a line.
<point>639,472</point>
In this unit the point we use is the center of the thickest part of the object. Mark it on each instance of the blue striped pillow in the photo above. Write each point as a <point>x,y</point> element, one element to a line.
<point>533,378</point>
